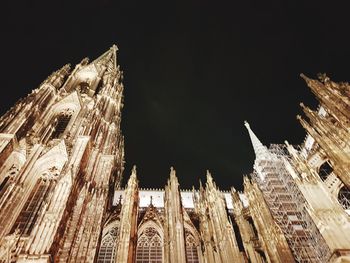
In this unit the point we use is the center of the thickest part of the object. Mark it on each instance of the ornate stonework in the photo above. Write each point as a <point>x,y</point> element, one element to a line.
<point>61,163</point>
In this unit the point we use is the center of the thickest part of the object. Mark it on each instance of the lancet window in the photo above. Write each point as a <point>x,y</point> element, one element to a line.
<point>325,170</point>
<point>252,225</point>
<point>344,197</point>
<point>60,124</point>
<point>6,181</point>
<point>84,87</point>
<point>3,183</point>
<point>31,209</point>
<point>108,248</point>
<point>149,246</point>
<point>191,248</point>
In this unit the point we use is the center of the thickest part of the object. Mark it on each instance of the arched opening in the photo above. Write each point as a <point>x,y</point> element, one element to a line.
<point>108,248</point>
<point>84,87</point>
<point>60,124</point>
<point>252,225</point>
<point>26,127</point>
<point>325,170</point>
<point>237,234</point>
<point>3,183</point>
<point>262,255</point>
<point>191,249</point>
<point>30,211</point>
<point>344,197</point>
<point>149,246</point>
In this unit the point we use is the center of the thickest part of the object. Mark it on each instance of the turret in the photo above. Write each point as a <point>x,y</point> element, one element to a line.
<point>174,222</point>
<point>128,221</point>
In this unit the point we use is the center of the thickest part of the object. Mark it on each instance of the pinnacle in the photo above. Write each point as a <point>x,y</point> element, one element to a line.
<point>307,79</point>
<point>134,169</point>
<point>209,177</point>
<point>133,175</point>
<point>302,75</point>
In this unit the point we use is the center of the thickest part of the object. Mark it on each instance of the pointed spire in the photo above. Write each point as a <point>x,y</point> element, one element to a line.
<point>307,79</point>
<point>109,58</point>
<point>133,177</point>
<point>259,148</point>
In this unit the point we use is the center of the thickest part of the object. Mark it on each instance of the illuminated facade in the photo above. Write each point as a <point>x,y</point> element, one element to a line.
<point>61,163</point>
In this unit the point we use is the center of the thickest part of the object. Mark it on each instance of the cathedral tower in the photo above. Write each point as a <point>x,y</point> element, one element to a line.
<point>61,157</point>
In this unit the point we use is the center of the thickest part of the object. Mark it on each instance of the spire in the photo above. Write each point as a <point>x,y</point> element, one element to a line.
<point>259,148</point>
<point>308,80</point>
<point>108,59</point>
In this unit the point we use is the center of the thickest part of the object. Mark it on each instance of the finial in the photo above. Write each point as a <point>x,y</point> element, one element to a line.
<point>114,47</point>
<point>209,177</point>
<point>307,79</point>
<point>172,172</point>
<point>133,169</point>
<point>84,61</point>
<point>133,175</point>
<point>200,185</point>
<point>246,180</point>
<point>323,77</point>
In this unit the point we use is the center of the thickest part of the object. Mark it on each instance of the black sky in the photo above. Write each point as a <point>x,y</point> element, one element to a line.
<point>193,72</point>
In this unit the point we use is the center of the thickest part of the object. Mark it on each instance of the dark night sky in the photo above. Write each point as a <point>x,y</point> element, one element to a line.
<point>193,72</point>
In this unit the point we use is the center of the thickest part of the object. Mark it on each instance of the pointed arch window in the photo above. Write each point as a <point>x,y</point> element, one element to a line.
<point>344,197</point>
<point>60,124</point>
<point>108,248</point>
<point>5,183</point>
<point>84,87</point>
<point>191,249</point>
<point>149,246</point>
<point>31,209</point>
<point>325,170</point>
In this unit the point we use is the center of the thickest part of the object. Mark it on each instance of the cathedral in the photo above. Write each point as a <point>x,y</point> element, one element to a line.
<point>61,198</point>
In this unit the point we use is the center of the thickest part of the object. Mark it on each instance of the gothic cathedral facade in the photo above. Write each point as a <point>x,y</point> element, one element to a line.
<point>61,200</point>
